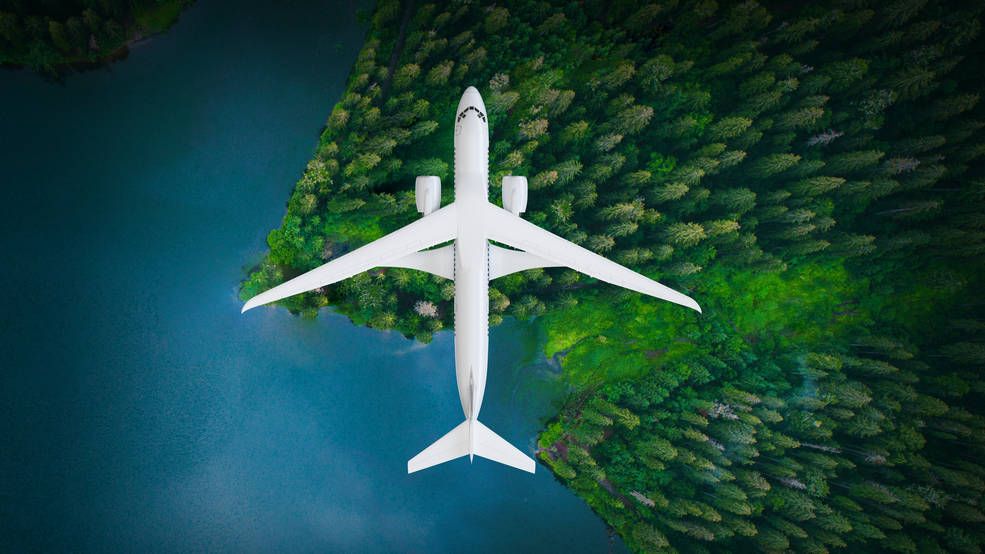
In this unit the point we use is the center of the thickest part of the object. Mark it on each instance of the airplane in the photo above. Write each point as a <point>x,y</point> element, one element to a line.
<point>471,221</point>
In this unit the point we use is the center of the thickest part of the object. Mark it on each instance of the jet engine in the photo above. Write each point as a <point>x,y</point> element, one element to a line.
<point>427,189</point>
<point>515,194</point>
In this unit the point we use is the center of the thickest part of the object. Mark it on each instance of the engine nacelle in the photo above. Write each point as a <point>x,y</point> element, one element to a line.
<point>515,194</point>
<point>427,189</point>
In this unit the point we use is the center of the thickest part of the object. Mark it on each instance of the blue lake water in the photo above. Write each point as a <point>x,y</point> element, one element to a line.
<point>139,411</point>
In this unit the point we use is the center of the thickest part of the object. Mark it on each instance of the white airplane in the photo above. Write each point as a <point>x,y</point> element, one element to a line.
<point>471,221</point>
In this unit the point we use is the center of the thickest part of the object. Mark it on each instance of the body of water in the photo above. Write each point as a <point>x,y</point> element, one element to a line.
<point>139,410</point>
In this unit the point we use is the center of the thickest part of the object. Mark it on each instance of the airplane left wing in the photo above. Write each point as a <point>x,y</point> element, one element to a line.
<point>503,226</point>
<point>438,227</point>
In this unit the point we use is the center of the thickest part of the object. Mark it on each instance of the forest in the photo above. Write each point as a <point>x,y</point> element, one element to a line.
<point>810,173</point>
<point>49,35</point>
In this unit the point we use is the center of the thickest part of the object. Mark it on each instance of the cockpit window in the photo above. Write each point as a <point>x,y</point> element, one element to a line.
<point>462,115</point>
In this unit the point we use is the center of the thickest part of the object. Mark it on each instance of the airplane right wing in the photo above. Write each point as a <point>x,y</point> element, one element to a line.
<point>438,227</point>
<point>503,226</point>
<point>503,261</point>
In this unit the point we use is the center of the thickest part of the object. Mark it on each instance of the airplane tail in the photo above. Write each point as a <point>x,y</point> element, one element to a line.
<point>473,438</point>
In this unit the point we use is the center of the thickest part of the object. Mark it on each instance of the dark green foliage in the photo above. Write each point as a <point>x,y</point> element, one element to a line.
<point>48,35</point>
<point>811,173</point>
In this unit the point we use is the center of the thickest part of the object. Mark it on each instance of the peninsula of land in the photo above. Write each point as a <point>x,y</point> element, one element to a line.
<point>812,174</point>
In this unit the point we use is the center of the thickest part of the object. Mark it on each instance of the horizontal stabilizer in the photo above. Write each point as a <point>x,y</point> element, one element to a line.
<point>491,446</point>
<point>454,444</point>
<point>485,443</point>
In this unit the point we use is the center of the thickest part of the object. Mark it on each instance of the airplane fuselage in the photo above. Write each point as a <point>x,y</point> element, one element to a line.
<point>472,221</point>
<point>471,253</point>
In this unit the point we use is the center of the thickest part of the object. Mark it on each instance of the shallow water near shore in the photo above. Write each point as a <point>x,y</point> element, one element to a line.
<point>140,410</point>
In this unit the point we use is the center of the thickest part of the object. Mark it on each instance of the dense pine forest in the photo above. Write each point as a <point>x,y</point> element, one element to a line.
<point>49,34</point>
<point>812,174</point>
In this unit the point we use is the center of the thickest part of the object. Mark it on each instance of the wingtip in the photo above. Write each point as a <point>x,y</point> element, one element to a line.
<point>250,304</point>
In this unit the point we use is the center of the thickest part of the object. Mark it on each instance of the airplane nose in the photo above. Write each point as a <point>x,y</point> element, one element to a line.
<point>471,97</point>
